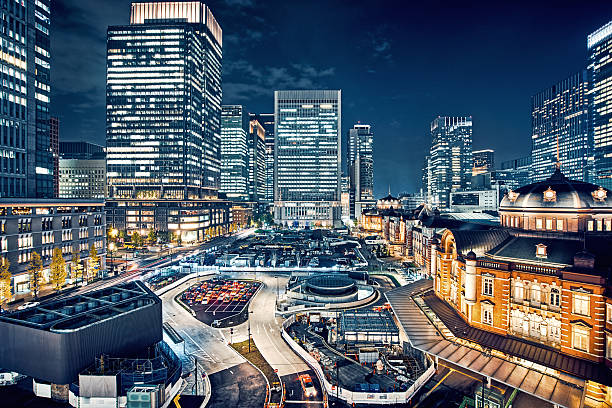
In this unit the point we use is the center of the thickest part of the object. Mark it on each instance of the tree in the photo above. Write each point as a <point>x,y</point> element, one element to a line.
<point>136,239</point>
<point>57,277</point>
<point>35,272</point>
<point>152,237</point>
<point>121,236</point>
<point>5,281</point>
<point>94,262</point>
<point>76,267</point>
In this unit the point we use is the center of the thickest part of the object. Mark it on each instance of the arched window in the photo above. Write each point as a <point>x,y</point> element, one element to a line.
<point>519,294</point>
<point>555,297</point>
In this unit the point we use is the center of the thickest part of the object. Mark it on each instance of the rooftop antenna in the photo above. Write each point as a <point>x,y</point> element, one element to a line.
<point>389,189</point>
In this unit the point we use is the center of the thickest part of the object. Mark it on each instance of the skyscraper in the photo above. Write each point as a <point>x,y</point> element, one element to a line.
<point>267,121</point>
<point>484,161</point>
<point>560,114</point>
<point>307,157</point>
<point>257,161</point>
<point>163,120</point>
<point>234,152</point>
<point>360,162</point>
<point>27,161</point>
<point>450,158</point>
<point>599,45</point>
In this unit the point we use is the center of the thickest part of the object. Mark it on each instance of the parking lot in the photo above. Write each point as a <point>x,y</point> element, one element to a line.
<point>220,302</point>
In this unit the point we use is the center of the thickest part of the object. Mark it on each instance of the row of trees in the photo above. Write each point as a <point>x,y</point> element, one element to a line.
<point>57,271</point>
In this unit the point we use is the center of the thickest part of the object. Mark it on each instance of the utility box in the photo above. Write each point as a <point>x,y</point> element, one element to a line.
<point>144,396</point>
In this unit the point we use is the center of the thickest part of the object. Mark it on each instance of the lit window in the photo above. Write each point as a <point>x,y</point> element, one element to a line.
<point>539,224</point>
<point>580,338</point>
<point>609,312</point>
<point>590,225</point>
<point>487,314</point>
<point>608,224</point>
<point>581,304</point>
<point>519,295</point>
<point>599,225</point>
<point>559,225</point>
<point>608,347</point>
<point>541,251</point>
<point>487,286</point>
<point>536,293</point>
<point>549,224</point>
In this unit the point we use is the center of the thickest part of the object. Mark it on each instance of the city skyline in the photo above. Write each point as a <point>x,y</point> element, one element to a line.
<point>347,60</point>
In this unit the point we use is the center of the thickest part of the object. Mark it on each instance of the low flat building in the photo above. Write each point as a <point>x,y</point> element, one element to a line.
<point>82,178</point>
<point>40,225</point>
<point>193,220</point>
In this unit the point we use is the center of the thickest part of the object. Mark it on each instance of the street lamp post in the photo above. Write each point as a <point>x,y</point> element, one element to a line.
<point>111,248</point>
<point>249,324</point>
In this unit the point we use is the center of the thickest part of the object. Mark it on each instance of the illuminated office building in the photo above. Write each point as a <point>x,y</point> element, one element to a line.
<point>267,121</point>
<point>257,161</point>
<point>234,152</point>
<point>26,160</point>
<point>360,149</point>
<point>560,114</point>
<point>450,158</point>
<point>307,158</point>
<point>163,120</point>
<point>484,161</point>
<point>599,45</point>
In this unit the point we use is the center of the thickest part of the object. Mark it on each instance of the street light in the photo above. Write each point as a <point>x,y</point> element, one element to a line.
<point>111,247</point>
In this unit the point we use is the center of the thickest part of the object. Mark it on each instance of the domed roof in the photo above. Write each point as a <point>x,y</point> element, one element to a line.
<point>557,191</point>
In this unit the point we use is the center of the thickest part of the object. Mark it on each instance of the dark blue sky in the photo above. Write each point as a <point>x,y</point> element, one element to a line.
<point>399,64</point>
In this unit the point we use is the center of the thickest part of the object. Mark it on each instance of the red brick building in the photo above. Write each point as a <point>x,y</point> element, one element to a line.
<point>541,278</point>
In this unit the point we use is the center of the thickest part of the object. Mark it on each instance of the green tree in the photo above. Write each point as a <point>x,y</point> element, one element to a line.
<point>121,236</point>
<point>57,277</point>
<point>152,237</point>
<point>137,239</point>
<point>5,281</point>
<point>35,273</point>
<point>76,267</point>
<point>94,262</point>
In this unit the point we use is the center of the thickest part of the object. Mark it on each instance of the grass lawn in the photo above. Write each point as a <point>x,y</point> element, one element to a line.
<point>256,359</point>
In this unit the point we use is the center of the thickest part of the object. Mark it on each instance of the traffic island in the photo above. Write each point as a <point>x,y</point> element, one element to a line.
<point>255,358</point>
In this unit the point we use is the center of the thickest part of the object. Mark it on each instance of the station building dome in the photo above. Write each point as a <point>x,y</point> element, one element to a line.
<point>558,204</point>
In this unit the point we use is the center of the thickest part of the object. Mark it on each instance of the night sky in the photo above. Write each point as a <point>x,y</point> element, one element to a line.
<point>399,65</point>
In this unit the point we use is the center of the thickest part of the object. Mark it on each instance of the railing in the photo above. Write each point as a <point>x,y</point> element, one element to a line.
<point>354,397</point>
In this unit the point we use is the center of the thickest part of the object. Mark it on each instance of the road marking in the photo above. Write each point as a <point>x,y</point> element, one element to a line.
<point>176,401</point>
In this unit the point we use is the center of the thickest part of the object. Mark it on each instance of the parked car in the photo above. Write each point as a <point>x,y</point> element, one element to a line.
<point>28,305</point>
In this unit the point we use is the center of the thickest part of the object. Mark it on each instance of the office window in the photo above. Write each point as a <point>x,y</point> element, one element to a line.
<point>487,286</point>
<point>581,304</point>
<point>580,338</point>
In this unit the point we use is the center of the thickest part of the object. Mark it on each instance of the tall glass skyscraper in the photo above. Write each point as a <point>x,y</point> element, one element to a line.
<point>234,152</point>
<point>26,159</point>
<point>267,121</point>
<point>257,161</point>
<point>450,158</point>
<point>307,157</point>
<point>599,45</point>
<point>560,114</point>
<point>360,155</point>
<point>163,117</point>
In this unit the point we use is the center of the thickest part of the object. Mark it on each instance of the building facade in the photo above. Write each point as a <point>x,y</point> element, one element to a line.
<point>40,225</point>
<point>234,152</point>
<point>483,161</point>
<point>450,158</point>
<point>542,278</point>
<point>54,126</point>
<point>599,45</point>
<point>257,161</point>
<point>559,120</point>
<point>164,115</point>
<point>360,163</point>
<point>307,158</point>
<point>82,178</point>
<point>475,200</point>
<point>267,121</point>
<point>26,156</point>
